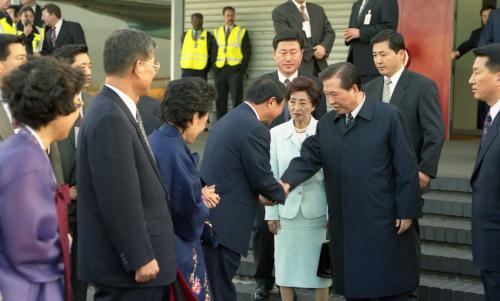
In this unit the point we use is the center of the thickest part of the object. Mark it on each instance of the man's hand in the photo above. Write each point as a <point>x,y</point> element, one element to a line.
<point>455,54</point>
<point>147,272</point>
<point>209,197</point>
<point>265,201</point>
<point>286,187</point>
<point>403,225</point>
<point>28,29</point>
<point>319,51</point>
<point>351,34</point>
<point>73,193</point>
<point>424,180</point>
<point>273,226</point>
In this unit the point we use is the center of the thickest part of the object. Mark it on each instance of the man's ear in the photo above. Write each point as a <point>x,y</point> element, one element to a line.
<point>271,100</point>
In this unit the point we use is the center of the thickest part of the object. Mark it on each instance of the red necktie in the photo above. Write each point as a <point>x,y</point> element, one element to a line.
<point>53,37</point>
<point>62,202</point>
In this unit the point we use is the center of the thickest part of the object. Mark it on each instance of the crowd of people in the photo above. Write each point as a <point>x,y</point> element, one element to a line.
<point>105,191</point>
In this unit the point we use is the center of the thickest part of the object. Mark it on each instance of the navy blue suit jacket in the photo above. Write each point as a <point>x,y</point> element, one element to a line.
<point>123,214</point>
<point>491,32</point>
<point>486,202</point>
<point>237,160</point>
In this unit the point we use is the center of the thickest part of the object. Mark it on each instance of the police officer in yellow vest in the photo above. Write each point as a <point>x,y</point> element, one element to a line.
<point>233,56</point>
<point>7,26</point>
<point>199,49</point>
<point>31,34</point>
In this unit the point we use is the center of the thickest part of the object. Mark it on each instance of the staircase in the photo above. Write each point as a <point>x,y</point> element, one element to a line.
<point>448,273</point>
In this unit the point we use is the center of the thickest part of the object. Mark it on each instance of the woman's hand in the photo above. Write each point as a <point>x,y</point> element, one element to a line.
<point>273,226</point>
<point>209,197</point>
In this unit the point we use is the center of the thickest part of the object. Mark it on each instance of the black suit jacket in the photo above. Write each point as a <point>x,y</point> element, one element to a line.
<point>471,43</point>
<point>287,16</point>
<point>123,212</point>
<point>70,33</point>
<point>486,203</point>
<point>318,112</point>
<point>416,96</point>
<point>237,162</point>
<point>38,16</point>
<point>149,108</point>
<point>384,15</point>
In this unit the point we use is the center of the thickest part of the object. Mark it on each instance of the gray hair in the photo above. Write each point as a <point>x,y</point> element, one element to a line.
<point>123,48</point>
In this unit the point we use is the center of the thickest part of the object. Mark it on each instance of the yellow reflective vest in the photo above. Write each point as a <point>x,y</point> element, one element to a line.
<point>229,52</point>
<point>37,42</point>
<point>6,27</point>
<point>194,54</point>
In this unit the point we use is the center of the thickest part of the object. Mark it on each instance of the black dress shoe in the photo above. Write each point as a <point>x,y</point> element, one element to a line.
<point>262,292</point>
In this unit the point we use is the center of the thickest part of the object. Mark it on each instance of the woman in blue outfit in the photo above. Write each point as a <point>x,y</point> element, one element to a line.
<point>185,113</point>
<point>299,225</point>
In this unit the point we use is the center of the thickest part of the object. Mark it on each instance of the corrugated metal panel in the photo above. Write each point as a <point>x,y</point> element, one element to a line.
<point>255,15</point>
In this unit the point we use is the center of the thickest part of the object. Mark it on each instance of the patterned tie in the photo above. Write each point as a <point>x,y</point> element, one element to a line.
<point>143,132</point>
<point>348,120</point>
<point>386,92</point>
<point>286,113</point>
<point>361,9</point>
<point>486,126</point>
<point>53,37</point>
<point>303,13</point>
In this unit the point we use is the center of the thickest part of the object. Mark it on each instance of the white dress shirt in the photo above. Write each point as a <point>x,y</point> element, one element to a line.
<point>282,77</point>
<point>394,80</point>
<point>57,27</point>
<point>253,109</point>
<point>356,110</point>
<point>126,100</point>
<point>494,110</point>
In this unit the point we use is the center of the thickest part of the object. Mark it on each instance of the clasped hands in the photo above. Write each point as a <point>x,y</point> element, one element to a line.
<point>267,202</point>
<point>351,34</point>
<point>209,197</point>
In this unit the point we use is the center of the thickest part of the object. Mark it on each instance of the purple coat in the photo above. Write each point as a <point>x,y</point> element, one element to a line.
<point>31,263</point>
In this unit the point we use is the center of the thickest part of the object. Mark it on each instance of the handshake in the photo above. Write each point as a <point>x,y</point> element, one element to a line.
<point>267,202</point>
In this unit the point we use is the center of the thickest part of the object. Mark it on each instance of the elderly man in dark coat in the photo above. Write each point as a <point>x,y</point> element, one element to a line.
<point>371,184</point>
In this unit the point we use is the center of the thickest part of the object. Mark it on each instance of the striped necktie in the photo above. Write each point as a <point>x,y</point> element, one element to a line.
<point>486,127</point>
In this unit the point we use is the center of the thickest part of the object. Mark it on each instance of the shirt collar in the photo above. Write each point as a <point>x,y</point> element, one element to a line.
<point>282,77</point>
<point>356,110</point>
<point>310,129</point>
<point>395,77</point>
<point>253,109</point>
<point>129,102</point>
<point>494,110</point>
<point>58,25</point>
<point>299,5</point>
<point>37,137</point>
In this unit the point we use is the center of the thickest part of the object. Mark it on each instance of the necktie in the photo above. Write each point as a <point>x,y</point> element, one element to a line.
<point>361,8</point>
<point>143,132</point>
<point>386,92</point>
<point>196,35</point>
<point>286,113</point>
<point>348,119</point>
<point>62,202</point>
<point>303,13</point>
<point>53,37</point>
<point>228,31</point>
<point>486,126</point>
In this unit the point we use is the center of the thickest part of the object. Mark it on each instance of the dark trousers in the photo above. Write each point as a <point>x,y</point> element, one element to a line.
<point>401,297</point>
<point>310,68</point>
<point>222,264</point>
<point>491,282</point>
<point>365,78</point>
<point>131,294</point>
<point>263,250</point>
<point>194,73</point>
<point>78,288</point>
<point>228,82</point>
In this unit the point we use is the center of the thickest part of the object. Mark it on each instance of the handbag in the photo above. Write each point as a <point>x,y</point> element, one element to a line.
<point>208,235</point>
<point>324,266</point>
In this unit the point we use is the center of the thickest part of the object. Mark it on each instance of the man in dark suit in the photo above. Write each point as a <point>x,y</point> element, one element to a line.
<point>415,95</point>
<point>78,58</point>
<point>233,57</point>
<point>371,184</point>
<point>491,32</point>
<point>149,108</point>
<point>237,163</point>
<point>61,32</point>
<point>368,17</point>
<point>311,24</point>
<point>485,82</point>
<point>37,9</point>
<point>126,239</point>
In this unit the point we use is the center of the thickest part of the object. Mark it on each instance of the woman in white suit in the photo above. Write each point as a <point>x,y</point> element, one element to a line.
<point>300,225</point>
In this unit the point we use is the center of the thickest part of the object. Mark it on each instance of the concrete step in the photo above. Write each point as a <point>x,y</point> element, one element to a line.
<point>451,184</point>
<point>448,258</point>
<point>448,203</point>
<point>455,230</point>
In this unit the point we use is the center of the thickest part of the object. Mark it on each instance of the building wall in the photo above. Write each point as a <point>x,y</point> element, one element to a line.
<point>255,15</point>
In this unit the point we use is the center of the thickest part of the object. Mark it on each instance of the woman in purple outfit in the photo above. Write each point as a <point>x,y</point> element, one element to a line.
<point>42,98</point>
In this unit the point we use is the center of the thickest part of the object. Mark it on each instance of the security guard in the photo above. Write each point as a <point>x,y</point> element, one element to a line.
<point>233,56</point>
<point>199,49</point>
<point>32,35</point>
<point>7,26</point>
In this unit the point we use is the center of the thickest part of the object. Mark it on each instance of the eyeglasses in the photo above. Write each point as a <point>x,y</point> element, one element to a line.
<point>155,65</point>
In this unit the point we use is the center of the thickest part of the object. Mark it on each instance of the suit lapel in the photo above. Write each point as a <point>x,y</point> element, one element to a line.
<point>400,90</point>
<point>5,126</point>
<point>490,137</point>
<point>294,11</point>
<point>62,34</point>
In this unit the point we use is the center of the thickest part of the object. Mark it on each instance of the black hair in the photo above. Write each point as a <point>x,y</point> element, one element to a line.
<point>67,53</point>
<point>346,72</point>
<point>492,52</point>
<point>285,36</point>
<point>228,8</point>
<point>52,9</point>
<point>303,83</point>
<point>395,39</point>
<point>264,88</point>
<point>5,41</point>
